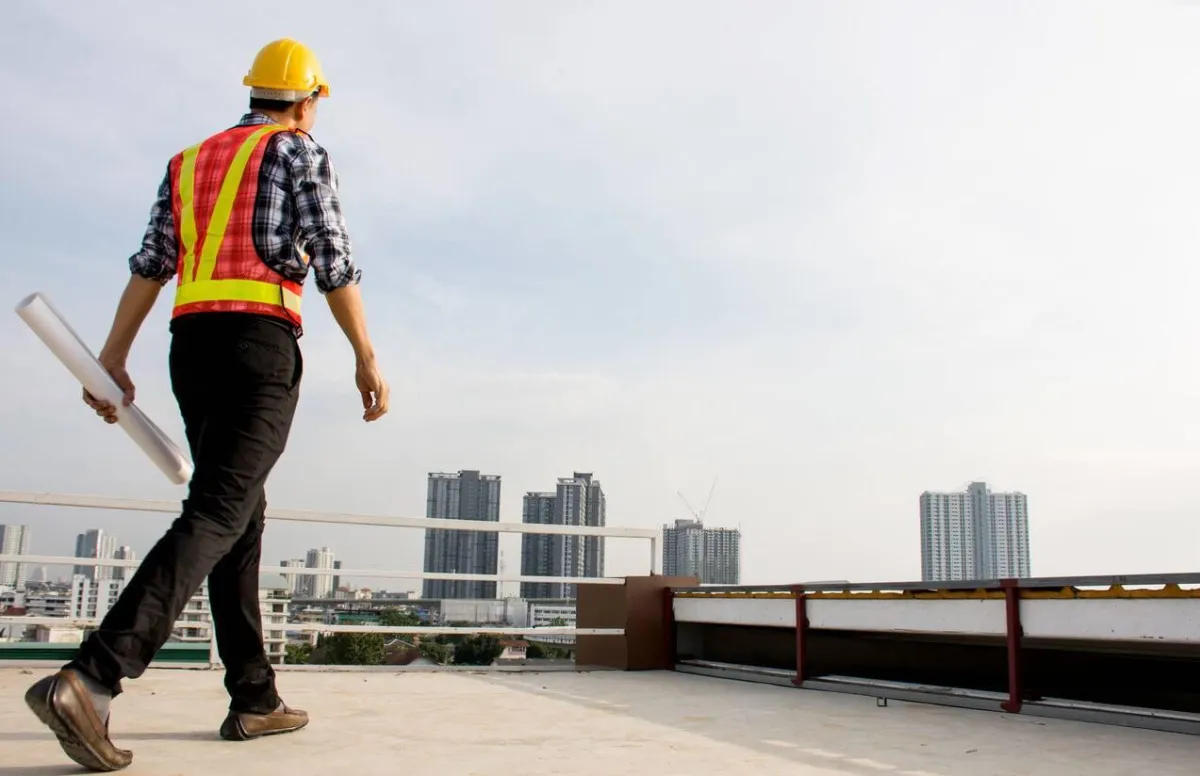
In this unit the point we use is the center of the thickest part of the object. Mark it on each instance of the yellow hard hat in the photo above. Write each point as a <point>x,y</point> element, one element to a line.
<point>287,70</point>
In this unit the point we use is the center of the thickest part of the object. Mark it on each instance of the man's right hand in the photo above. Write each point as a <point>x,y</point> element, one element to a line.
<point>121,377</point>
<point>374,390</point>
<point>346,305</point>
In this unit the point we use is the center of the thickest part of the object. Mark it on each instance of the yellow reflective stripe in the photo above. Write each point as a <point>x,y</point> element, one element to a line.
<point>214,234</point>
<point>232,290</point>
<point>187,214</point>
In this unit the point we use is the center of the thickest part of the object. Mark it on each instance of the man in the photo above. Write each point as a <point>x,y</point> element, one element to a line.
<point>240,218</point>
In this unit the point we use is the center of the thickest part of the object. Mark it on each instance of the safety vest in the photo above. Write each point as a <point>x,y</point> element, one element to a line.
<point>214,186</point>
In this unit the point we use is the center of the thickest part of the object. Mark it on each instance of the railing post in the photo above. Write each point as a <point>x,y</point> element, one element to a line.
<point>214,658</point>
<point>1014,634</point>
<point>670,637</point>
<point>801,635</point>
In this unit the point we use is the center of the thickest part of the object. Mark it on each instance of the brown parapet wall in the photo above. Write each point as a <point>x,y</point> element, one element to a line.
<point>640,607</point>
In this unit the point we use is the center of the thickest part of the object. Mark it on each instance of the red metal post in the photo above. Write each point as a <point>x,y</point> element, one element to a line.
<point>1014,634</point>
<point>801,636</point>
<point>670,656</point>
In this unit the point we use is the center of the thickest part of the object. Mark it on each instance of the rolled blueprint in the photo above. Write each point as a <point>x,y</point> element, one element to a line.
<point>53,330</point>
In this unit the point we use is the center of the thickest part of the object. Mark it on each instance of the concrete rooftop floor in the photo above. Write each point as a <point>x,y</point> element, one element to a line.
<point>579,724</point>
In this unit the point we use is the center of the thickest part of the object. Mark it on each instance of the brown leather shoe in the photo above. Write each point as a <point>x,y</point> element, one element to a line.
<point>243,726</point>
<point>64,705</point>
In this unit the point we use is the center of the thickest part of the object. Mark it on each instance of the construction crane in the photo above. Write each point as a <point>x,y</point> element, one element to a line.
<point>704,511</point>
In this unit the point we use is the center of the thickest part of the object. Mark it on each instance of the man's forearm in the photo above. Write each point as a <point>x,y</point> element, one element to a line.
<point>346,305</point>
<point>136,302</point>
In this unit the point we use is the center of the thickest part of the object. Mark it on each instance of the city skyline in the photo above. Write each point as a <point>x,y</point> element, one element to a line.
<point>969,534</point>
<point>578,500</point>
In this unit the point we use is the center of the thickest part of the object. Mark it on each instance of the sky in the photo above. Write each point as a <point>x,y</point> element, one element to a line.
<point>829,255</point>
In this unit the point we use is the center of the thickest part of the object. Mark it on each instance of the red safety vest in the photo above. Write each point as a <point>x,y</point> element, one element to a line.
<point>213,188</point>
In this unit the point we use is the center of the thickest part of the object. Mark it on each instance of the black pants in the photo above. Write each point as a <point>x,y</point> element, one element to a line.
<point>237,379</point>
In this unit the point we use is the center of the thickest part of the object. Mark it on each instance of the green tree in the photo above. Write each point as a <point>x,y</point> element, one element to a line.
<point>479,650</point>
<point>438,653</point>
<point>395,618</point>
<point>354,649</point>
<point>535,651</point>
<point>297,654</point>
<point>558,622</point>
<point>454,638</point>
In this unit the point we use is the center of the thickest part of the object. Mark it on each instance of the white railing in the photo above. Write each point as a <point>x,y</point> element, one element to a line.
<point>168,507</point>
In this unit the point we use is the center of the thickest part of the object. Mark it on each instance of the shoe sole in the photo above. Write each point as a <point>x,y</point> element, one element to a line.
<point>71,742</point>
<point>239,732</point>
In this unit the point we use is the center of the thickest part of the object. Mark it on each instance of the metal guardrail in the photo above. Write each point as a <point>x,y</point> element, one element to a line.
<point>87,622</point>
<point>339,518</point>
<point>346,518</point>
<point>66,560</point>
<point>1126,580</point>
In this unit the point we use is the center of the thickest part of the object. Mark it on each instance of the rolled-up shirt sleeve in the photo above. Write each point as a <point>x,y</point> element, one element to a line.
<point>320,221</point>
<point>157,258</point>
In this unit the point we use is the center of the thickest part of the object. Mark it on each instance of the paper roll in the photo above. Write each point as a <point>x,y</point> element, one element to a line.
<point>53,330</point>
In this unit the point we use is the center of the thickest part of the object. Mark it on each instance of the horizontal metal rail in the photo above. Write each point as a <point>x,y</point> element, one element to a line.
<point>320,627</point>
<point>69,560</point>
<point>66,560</point>
<point>343,518</point>
<point>438,630</point>
<point>1126,580</point>
<point>386,602</point>
<point>88,622</point>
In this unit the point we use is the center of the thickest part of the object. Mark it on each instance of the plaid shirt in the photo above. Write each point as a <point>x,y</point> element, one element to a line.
<point>297,210</point>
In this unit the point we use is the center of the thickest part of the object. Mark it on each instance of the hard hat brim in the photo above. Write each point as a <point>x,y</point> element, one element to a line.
<point>285,93</point>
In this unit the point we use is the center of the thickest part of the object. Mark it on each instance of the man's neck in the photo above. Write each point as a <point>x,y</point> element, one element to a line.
<point>282,119</point>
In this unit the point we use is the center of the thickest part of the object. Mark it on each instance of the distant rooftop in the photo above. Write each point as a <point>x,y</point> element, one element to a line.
<point>377,723</point>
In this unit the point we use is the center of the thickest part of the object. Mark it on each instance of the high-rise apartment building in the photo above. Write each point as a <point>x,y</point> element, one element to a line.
<point>539,552</point>
<point>95,544</point>
<point>319,585</point>
<point>597,514</point>
<point>295,582</point>
<point>974,534</point>
<point>578,500</point>
<point>714,555</point>
<point>124,572</point>
<point>93,598</point>
<point>467,495</point>
<point>14,540</point>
